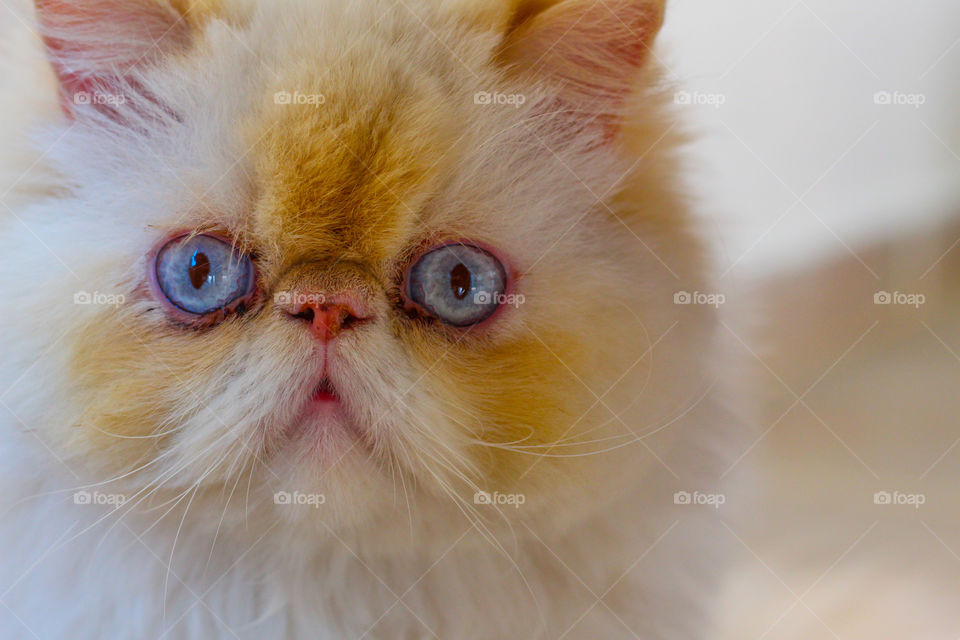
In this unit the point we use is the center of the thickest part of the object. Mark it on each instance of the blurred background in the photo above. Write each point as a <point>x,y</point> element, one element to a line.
<point>827,162</point>
<point>827,165</point>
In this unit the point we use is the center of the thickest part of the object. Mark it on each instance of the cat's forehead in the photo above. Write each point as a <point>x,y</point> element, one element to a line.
<point>350,175</point>
<point>350,140</point>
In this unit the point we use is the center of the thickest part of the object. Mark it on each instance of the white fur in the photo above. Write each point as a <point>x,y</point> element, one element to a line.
<point>83,219</point>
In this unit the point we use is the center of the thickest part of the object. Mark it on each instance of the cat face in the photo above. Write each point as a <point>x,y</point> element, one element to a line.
<point>356,248</point>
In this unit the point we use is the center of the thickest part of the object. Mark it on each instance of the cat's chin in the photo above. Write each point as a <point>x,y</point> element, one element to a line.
<point>323,426</point>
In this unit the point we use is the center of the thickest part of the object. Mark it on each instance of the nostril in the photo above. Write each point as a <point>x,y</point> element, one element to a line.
<point>348,320</point>
<point>326,319</point>
<point>306,313</point>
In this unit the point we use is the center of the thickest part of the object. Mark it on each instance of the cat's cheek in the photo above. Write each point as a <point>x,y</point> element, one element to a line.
<point>503,392</point>
<point>122,409</point>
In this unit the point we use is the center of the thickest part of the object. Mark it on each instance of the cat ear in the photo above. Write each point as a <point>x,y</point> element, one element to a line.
<point>94,44</point>
<point>591,50</point>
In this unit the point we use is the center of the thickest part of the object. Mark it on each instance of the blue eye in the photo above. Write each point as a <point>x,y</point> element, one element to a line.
<point>459,284</point>
<point>201,274</point>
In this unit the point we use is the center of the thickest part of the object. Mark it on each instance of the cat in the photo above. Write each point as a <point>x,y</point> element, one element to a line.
<point>361,319</point>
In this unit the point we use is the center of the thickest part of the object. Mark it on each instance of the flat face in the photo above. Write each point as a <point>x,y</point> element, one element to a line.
<point>332,145</point>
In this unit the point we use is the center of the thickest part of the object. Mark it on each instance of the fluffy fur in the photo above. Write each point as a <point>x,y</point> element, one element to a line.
<point>596,399</point>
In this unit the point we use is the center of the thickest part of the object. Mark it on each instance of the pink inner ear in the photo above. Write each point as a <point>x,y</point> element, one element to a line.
<point>92,44</point>
<point>592,49</point>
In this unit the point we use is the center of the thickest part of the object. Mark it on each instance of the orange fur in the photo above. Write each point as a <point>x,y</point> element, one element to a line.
<point>347,192</point>
<point>573,182</point>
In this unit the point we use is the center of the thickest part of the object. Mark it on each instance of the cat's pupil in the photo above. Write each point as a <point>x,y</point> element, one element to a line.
<point>199,269</point>
<point>460,281</point>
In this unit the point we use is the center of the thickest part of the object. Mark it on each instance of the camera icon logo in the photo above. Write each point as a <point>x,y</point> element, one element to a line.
<point>282,97</point>
<point>682,497</point>
<point>81,97</point>
<point>482,297</point>
<point>883,97</point>
<point>682,297</point>
<point>482,497</point>
<point>282,298</point>
<point>683,97</point>
<point>82,497</point>
<point>882,497</point>
<point>82,297</point>
<point>282,497</point>
<point>882,297</point>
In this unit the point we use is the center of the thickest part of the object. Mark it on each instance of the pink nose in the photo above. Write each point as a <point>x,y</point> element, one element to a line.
<point>327,316</point>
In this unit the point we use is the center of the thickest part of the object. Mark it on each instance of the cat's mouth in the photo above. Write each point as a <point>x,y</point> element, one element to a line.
<point>325,392</point>
<point>323,420</point>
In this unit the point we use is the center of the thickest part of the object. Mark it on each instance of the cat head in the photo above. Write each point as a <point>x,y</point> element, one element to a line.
<point>354,249</point>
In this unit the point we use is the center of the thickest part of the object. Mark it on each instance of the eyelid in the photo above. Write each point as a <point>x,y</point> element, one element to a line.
<point>186,318</point>
<point>426,246</point>
<point>411,306</point>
